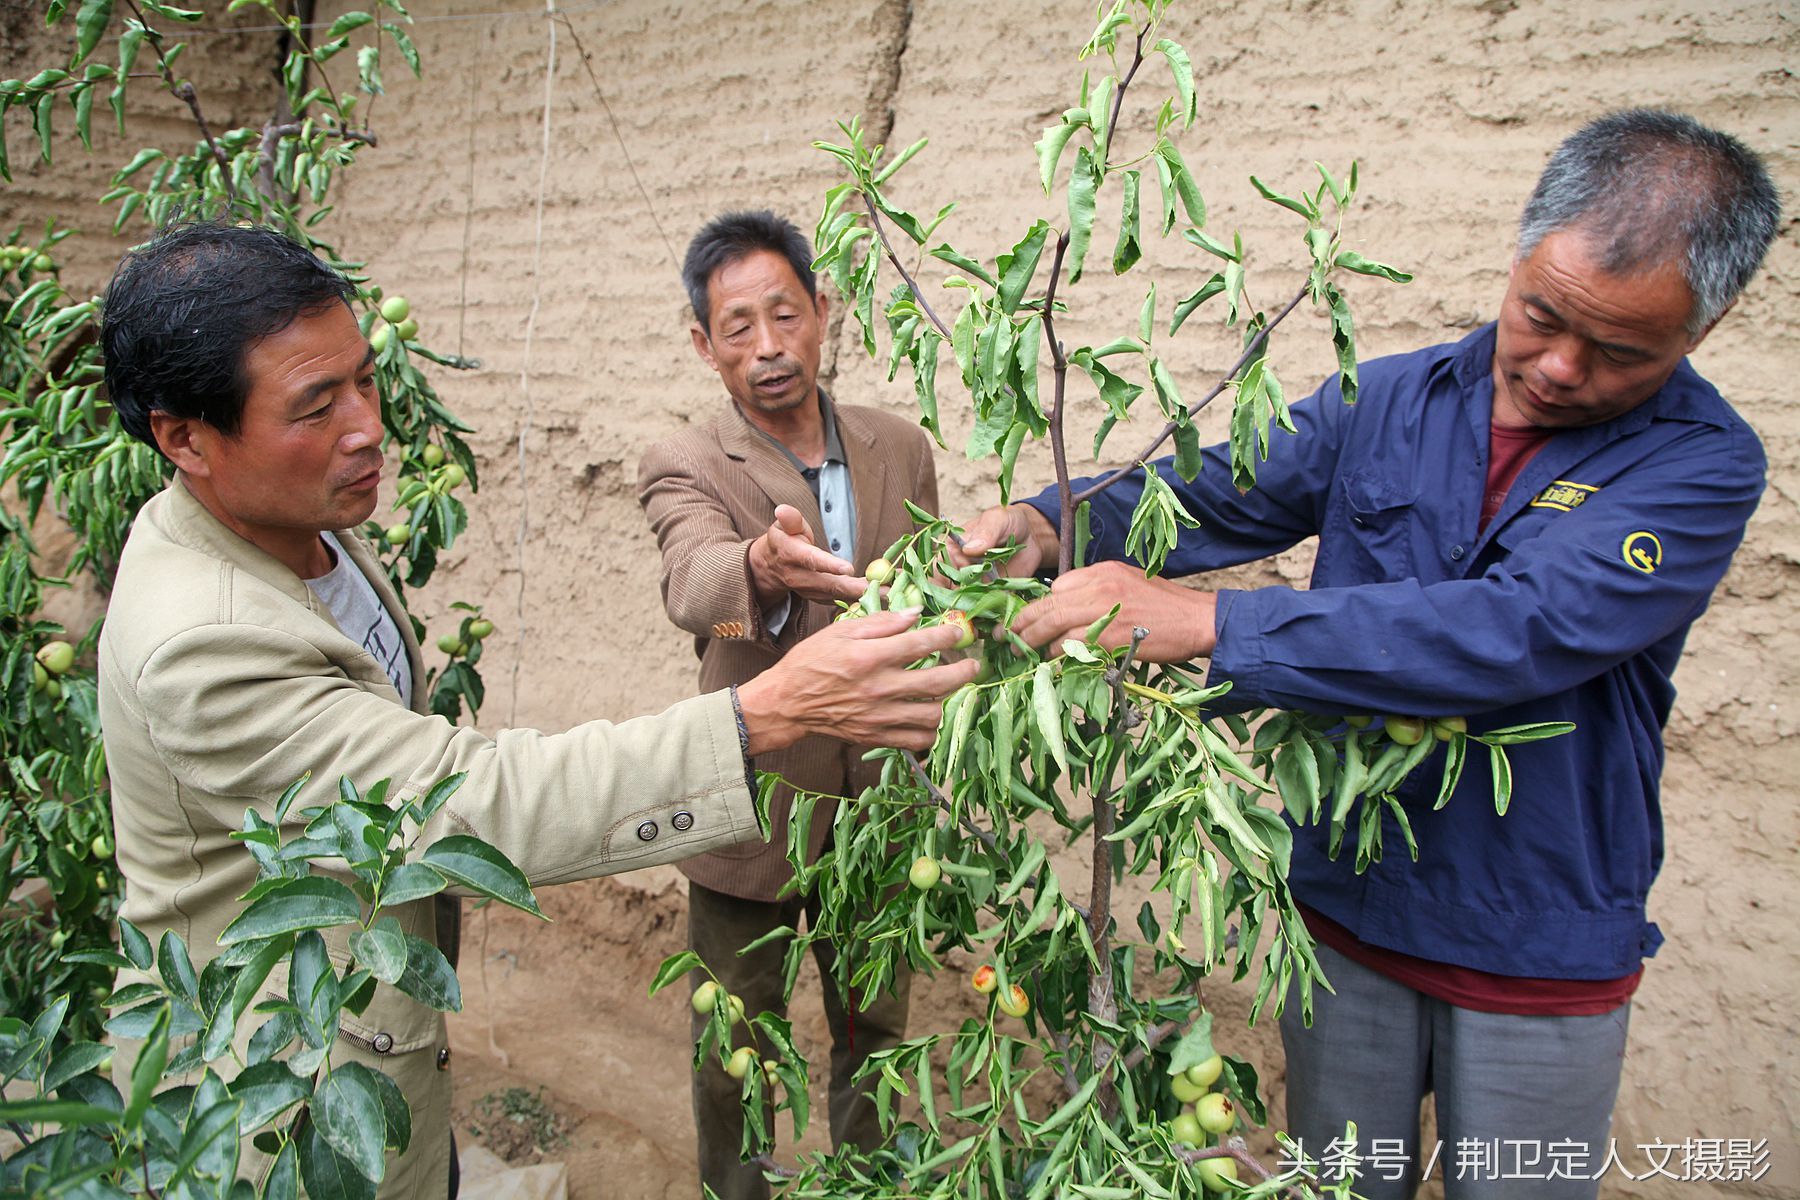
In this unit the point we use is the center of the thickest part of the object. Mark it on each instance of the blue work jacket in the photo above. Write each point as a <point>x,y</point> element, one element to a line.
<point>1572,605</point>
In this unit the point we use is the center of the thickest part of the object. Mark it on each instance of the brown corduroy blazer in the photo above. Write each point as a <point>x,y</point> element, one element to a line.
<point>709,492</point>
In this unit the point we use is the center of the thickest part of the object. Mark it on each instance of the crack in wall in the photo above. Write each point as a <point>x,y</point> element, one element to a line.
<point>892,30</point>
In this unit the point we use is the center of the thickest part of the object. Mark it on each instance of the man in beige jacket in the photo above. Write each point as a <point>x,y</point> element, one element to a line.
<point>765,515</point>
<point>252,638</point>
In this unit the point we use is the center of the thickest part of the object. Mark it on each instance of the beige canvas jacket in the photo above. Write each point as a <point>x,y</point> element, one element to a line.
<point>222,680</point>
<point>709,492</point>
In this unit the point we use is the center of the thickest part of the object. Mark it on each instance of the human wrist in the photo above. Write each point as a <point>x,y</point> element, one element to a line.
<point>765,585</point>
<point>762,715</point>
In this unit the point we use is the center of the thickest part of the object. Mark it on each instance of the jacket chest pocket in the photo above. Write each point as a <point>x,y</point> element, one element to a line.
<point>1377,528</point>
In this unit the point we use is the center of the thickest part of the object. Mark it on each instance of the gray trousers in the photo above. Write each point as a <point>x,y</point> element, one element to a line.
<point>718,927</point>
<point>1524,1104</point>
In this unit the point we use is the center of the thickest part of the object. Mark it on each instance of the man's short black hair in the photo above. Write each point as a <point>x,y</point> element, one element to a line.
<point>183,309</point>
<point>733,236</point>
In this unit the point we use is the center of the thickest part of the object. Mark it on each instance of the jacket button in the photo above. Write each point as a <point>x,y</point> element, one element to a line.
<point>682,821</point>
<point>1456,553</point>
<point>382,1042</point>
<point>647,831</point>
<point>444,1058</point>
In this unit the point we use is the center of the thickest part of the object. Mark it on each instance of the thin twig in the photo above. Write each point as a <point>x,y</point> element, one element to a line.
<point>1065,536</point>
<point>1070,1084</point>
<point>881,232</point>
<point>1112,123</point>
<point>1161,1034</point>
<point>184,92</point>
<point>1250,352</point>
<point>943,802</point>
<point>1235,1149</point>
<point>767,1163</point>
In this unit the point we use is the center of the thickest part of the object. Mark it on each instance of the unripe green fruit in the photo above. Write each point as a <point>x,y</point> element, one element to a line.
<point>454,475</point>
<point>1185,1091</point>
<point>100,846</point>
<point>407,330</point>
<point>397,534</point>
<point>924,873</point>
<point>39,676</point>
<point>1185,1128</point>
<point>771,1072</point>
<point>100,880</point>
<point>395,308</point>
<point>57,938</point>
<point>1215,1113</point>
<point>53,689</point>
<point>1359,721</point>
<point>1217,1174</point>
<point>1448,727</point>
<point>1206,1073</point>
<point>1406,731</point>
<point>736,1005</point>
<point>432,455</point>
<point>705,997</point>
<point>741,1058</point>
<point>42,263</point>
<point>380,336</point>
<point>480,627</point>
<point>56,657</point>
<point>910,596</point>
<point>451,644</point>
<point>879,571</point>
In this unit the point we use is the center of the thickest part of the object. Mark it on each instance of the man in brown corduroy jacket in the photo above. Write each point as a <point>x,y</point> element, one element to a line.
<point>765,516</point>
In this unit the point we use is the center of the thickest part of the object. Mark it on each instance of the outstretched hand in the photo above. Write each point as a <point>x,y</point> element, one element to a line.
<point>850,681</point>
<point>1013,524</point>
<point>1180,620</point>
<point>786,560</point>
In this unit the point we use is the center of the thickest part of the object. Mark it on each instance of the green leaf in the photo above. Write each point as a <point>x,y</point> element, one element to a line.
<point>673,968</point>
<point>924,363</point>
<point>1017,267</point>
<point>1129,248</point>
<point>347,1110</point>
<point>217,1121</point>
<point>69,1114</point>
<point>956,258</point>
<point>147,1071</point>
<point>368,70</point>
<point>135,945</point>
<point>1168,396</point>
<point>381,949</point>
<point>77,1058</point>
<point>1147,317</point>
<point>347,22</point>
<point>429,978</point>
<point>313,902</point>
<point>177,968</point>
<point>1183,71</point>
<point>409,882</point>
<point>1303,207</point>
<point>1049,151</point>
<point>1186,306</point>
<point>1195,1046</point>
<point>90,26</point>
<point>1084,186</point>
<point>327,1174</point>
<point>267,1089</point>
<point>404,43</point>
<point>479,866</point>
<point>1502,770</point>
<point>1533,731</point>
<point>1185,187</point>
<point>397,1114</point>
<point>1188,456</point>
<point>1350,260</point>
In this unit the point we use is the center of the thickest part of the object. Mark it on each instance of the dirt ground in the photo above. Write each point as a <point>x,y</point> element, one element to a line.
<point>535,219</point>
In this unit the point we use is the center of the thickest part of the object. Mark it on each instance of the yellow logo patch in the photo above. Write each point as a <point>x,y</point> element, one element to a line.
<point>1642,551</point>
<point>1564,495</point>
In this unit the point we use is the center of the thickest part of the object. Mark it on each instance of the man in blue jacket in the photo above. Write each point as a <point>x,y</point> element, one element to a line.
<point>1520,526</point>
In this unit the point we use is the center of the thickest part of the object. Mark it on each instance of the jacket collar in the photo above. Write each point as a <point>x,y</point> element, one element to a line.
<point>192,524</point>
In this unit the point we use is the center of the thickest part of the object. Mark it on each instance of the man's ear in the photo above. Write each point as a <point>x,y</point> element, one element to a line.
<point>703,345</point>
<point>183,441</point>
<point>824,310</point>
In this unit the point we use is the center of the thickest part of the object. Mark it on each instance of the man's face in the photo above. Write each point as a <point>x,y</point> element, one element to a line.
<point>1577,345</point>
<point>307,453</point>
<point>766,333</point>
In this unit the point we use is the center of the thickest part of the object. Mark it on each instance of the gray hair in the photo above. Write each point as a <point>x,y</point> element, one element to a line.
<point>1649,185</point>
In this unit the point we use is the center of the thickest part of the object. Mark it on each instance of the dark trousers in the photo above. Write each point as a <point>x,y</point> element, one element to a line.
<point>718,927</point>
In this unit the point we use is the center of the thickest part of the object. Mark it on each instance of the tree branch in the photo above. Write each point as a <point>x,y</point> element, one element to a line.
<point>943,802</point>
<point>912,285</point>
<point>184,91</point>
<point>1065,531</point>
<point>1251,351</point>
<point>767,1163</point>
<point>1112,124</point>
<point>1235,1149</point>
